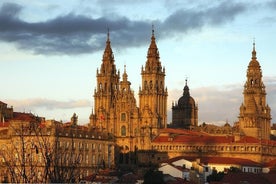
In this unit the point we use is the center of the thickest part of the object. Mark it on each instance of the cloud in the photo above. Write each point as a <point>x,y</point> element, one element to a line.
<point>48,104</point>
<point>186,20</point>
<point>53,109</point>
<point>73,34</point>
<point>271,4</point>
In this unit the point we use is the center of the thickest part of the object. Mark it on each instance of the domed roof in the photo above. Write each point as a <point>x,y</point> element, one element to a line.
<point>186,100</point>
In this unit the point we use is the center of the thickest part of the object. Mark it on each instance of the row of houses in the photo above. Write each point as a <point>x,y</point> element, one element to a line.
<point>198,169</point>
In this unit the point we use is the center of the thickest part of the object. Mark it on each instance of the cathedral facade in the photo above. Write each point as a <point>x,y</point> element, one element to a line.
<point>144,127</point>
<point>115,107</point>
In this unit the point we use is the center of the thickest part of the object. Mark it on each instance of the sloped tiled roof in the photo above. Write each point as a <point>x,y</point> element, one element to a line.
<point>181,131</point>
<point>248,139</point>
<point>23,116</point>
<point>217,160</point>
<point>4,124</point>
<point>271,163</point>
<point>193,137</point>
<point>234,178</point>
<point>230,160</point>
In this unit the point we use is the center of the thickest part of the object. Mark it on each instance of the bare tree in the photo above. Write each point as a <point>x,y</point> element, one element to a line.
<point>65,159</point>
<point>36,154</point>
<point>23,155</point>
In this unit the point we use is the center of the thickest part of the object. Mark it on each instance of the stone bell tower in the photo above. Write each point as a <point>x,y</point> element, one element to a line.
<point>105,92</point>
<point>153,94</point>
<point>254,118</point>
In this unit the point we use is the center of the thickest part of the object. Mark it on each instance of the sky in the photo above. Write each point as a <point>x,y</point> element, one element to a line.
<point>50,51</point>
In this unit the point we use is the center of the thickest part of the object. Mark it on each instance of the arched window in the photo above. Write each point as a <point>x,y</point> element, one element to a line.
<point>145,84</point>
<point>150,84</point>
<point>123,130</point>
<point>123,117</point>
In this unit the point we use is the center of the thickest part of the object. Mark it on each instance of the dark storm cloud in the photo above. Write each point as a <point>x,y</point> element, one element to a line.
<point>272,4</point>
<point>77,34</point>
<point>186,20</point>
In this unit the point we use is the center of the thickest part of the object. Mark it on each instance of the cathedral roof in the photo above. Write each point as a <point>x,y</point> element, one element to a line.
<point>169,136</point>
<point>186,99</point>
<point>191,139</point>
<point>181,131</point>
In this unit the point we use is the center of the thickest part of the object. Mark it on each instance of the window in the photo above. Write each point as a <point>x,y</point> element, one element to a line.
<point>93,159</point>
<point>74,145</point>
<point>80,145</point>
<point>150,84</point>
<point>123,117</point>
<point>86,159</point>
<point>123,130</point>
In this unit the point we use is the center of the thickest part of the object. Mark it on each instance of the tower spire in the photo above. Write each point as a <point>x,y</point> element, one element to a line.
<point>153,53</point>
<point>108,54</point>
<point>125,74</point>
<point>254,51</point>
<point>186,81</point>
<point>108,34</point>
<point>186,89</point>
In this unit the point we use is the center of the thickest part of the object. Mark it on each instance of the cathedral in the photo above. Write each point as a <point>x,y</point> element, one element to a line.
<point>144,127</point>
<point>115,109</point>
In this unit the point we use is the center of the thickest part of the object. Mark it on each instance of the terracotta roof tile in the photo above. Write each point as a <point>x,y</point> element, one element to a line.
<point>217,160</point>
<point>234,178</point>
<point>182,131</point>
<point>23,116</point>
<point>191,137</point>
<point>271,163</point>
<point>4,124</point>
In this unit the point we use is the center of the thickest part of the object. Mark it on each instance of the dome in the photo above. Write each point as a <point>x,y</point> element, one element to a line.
<point>186,100</point>
<point>254,63</point>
